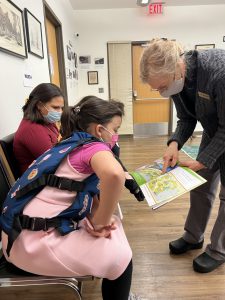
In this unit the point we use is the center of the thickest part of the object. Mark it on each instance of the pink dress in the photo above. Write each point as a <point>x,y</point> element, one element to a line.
<point>77,253</point>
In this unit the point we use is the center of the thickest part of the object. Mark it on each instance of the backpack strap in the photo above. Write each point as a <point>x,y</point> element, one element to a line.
<point>52,180</point>
<point>37,224</point>
<point>34,224</point>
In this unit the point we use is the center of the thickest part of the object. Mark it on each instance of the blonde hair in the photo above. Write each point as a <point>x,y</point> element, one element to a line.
<point>160,58</point>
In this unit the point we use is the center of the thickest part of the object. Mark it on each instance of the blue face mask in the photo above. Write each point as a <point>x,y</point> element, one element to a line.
<point>52,116</point>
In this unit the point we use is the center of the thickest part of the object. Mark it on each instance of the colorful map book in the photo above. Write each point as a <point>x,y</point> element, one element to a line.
<point>191,150</point>
<point>159,188</point>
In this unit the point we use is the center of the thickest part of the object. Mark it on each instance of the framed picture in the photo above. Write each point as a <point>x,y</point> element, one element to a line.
<point>12,35</point>
<point>99,61</point>
<point>85,59</point>
<point>92,77</point>
<point>34,34</point>
<point>204,46</point>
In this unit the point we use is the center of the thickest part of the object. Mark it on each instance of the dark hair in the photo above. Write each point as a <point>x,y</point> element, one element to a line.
<point>43,92</point>
<point>89,110</point>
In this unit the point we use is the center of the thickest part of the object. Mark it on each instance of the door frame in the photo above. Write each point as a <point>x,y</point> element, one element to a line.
<point>49,14</point>
<point>170,122</point>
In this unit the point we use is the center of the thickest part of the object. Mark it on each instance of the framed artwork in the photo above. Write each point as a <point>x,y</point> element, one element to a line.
<point>204,46</point>
<point>92,77</point>
<point>85,59</point>
<point>99,61</point>
<point>12,35</point>
<point>34,34</point>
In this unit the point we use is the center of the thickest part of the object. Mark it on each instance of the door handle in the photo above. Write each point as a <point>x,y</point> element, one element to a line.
<point>134,94</point>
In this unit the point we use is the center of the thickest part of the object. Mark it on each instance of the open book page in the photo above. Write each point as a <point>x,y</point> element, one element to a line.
<point>159,188</point>
<point>191,150</point>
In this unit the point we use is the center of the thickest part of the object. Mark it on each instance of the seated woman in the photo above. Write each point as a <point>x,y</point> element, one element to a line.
<point>37,131</point>
<point>99,246</point>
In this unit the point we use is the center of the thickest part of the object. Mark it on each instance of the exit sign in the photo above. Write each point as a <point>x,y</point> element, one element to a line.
<point>155,9</point>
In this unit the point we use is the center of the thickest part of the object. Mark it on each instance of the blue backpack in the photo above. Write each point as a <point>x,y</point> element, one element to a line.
<point>35,178</point>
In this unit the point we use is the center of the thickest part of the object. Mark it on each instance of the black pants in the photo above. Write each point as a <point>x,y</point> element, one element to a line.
<point>119,288</point>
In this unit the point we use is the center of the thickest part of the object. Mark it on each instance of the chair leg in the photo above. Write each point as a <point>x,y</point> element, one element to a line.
<point>80,286</point>
<point>76,288</point>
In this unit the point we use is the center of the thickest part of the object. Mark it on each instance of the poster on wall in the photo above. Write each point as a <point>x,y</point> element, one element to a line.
<point>27,79</point>
<point>99,62</point>
<point>70,74</point>
<point>12,36</point>
<point>85,61</point>
<point>75,60</point>
<point>69,53</point>
<point>71,64</point>
<point>76,74</point>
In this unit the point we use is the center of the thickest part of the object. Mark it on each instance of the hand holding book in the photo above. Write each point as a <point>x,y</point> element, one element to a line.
<point>194,165</point>
<point>159,188</point>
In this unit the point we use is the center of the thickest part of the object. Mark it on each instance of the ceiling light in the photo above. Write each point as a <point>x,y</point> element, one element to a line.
<point>143,2</point>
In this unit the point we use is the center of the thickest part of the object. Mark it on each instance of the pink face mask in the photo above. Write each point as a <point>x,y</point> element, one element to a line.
<point>115,138</point>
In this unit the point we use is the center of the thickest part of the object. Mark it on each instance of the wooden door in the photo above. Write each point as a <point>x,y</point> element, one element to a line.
<point>149,107</point>
<point>120,80</point>
<point>52,52</point>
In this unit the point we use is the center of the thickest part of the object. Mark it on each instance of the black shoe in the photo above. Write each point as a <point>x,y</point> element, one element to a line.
<point>205,263</point>
<point>181,246</point>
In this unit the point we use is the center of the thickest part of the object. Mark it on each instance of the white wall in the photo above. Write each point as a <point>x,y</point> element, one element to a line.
<point>13,93</point>
<point>188,24</point>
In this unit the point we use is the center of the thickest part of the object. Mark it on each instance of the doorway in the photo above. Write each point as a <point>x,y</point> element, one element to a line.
<point>120,80</point>
<point>54,37</point>
<point>151,112</point>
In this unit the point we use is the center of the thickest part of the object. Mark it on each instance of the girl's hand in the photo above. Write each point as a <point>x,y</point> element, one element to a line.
<point>192,164</point>
<point>100,230</point>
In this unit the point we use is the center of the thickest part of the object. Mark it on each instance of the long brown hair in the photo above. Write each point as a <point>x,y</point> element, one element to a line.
<point>89,110</point>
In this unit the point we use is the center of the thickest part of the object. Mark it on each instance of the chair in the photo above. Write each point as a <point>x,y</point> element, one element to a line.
<point>11,276</point>
<point>6,148</point>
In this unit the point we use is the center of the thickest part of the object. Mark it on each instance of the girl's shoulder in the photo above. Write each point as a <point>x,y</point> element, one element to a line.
<point>88,150</point>
<point>95,146</point>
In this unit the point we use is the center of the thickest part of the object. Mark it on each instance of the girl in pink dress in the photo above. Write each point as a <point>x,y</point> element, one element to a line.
<point>100,247</point>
